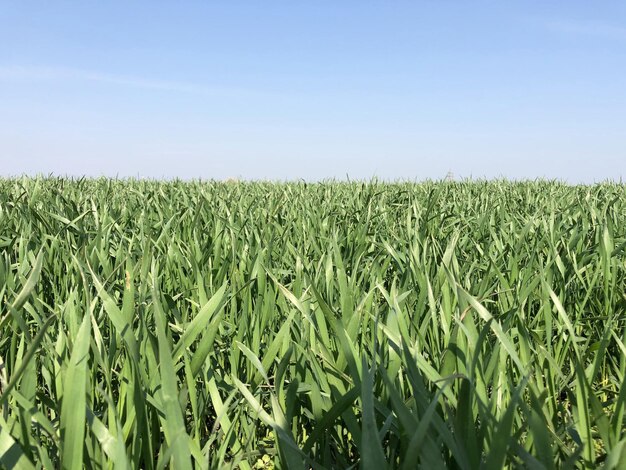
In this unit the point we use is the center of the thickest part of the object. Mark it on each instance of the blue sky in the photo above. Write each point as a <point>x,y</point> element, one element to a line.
<point>314,89</point>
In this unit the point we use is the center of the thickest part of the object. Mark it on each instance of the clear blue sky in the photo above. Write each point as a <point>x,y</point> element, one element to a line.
<point>314,89</point>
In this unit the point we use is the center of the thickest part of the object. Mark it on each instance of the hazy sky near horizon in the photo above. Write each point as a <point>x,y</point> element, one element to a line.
<point>314,89</point>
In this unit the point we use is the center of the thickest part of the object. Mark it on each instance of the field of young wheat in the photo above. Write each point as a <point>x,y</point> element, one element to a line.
<point>148,324</point>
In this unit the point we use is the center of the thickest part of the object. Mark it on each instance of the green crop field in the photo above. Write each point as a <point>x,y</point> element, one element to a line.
<point>148,324</point>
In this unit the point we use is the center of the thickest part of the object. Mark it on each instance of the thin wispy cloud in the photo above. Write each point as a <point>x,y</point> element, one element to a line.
<point>588,28</point>
<point>66,74</point>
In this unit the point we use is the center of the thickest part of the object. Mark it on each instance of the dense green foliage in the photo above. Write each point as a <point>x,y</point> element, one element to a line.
<point>331,325</point>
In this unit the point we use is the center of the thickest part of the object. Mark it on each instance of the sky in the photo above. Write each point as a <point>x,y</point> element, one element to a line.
<point>287,90</point>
